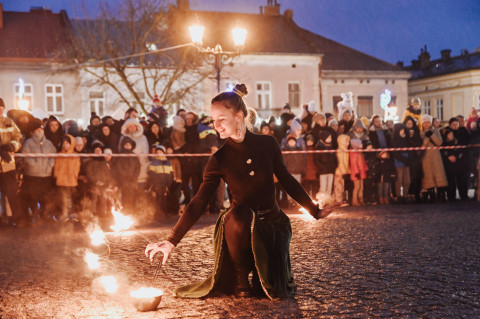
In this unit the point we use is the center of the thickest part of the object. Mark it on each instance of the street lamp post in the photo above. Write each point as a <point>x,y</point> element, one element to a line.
<point>216,56</point>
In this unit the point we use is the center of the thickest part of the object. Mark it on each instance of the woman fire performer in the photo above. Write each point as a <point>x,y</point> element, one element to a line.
<point>253,235</point>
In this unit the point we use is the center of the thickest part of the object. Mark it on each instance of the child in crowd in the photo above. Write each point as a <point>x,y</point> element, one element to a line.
<point>174,193</point>
<point>402,162</point>
<point>343,167</point>
<point>472,120</point>
<point>326,165</point>
<point>310,179</point>
<point>66,172</point>
<point>126,171</point>
<point>160,175</point>
<point>295,163</point>
<point>358,172</point>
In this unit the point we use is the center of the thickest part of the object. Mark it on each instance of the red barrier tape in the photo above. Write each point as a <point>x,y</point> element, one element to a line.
<point>398,149</point>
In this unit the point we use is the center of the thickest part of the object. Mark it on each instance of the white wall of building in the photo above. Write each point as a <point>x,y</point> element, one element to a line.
<point>458,91</point>
<point>365,83</point>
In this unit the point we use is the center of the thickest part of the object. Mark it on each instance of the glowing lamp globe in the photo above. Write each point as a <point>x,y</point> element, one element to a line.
<point>196,34</point>
<point>239,36</point>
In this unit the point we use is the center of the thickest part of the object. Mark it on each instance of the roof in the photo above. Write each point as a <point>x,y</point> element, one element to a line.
<point>33,36</point>
<point>277,34</point>
<point>464,62</point>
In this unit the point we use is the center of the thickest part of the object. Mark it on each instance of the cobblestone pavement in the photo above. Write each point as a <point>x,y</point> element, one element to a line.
<point>382,261</point>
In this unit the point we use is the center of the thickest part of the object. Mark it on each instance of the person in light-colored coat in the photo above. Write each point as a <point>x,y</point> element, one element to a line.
<point>433,170</point>
<point>134,130</point>
<point>37,177</point>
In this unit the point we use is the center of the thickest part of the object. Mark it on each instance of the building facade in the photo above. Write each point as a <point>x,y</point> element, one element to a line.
<point>448,86</point>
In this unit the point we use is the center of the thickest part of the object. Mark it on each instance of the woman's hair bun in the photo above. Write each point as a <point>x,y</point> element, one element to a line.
<point>241,89</point>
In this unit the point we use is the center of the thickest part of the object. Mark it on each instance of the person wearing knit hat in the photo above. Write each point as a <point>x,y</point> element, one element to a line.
<point>160,176</point>
<point>425,118</point>
<point>414,110</point>
<point>333,123</point>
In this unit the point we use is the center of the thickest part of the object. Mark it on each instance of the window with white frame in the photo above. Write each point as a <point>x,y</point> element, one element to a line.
<point>264,95</point>
<point>26,96</point>
<point>294,94</point>
<point>54,98</point>
<point>439,106</point>
<point>427,109</point>
<point>97,103</point>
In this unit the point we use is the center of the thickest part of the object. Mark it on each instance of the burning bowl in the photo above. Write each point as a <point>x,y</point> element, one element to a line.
<point>146,298</point>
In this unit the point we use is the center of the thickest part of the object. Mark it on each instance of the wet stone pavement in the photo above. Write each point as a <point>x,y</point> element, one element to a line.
<point>405,261</point>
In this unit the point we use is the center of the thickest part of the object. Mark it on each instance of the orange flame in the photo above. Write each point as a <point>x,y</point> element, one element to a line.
<point>92,260</point>
<point>97,237</point>
<point>109,283</point>
<point>121,222</point>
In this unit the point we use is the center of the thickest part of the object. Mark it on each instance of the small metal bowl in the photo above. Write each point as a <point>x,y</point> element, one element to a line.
<point>146,299</point>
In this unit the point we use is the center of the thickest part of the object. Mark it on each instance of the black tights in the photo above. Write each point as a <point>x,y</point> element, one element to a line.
<point>237,225</point>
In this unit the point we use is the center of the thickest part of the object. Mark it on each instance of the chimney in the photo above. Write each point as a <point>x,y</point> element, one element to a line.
<point>400,64</point>
<point>445,54</point>
<point>424,58</point>
<point>183,5</point>
<point>1,16</point>
<point>288,14</point>
<point>272,8</point>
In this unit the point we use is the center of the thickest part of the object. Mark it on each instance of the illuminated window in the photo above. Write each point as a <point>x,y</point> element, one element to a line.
<point>54,98</point>
<point>294,94</point>
<point>27,95</point>
<point>264,95</point>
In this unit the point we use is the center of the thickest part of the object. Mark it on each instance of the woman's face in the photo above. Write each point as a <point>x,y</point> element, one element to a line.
<point>426,125</point>
<point>54,126</point>
<point>106,130</point>
<point>409,124</point>
<point>226,122</point>
<point>155,129</point>
<point>334,127</point>
<point>347,116</point>
<point>321,121</point>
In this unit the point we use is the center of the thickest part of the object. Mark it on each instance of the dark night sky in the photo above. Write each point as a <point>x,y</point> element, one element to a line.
<point>387,29</point>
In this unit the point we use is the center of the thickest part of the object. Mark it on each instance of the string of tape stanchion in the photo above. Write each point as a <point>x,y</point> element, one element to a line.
<point>394,149</point>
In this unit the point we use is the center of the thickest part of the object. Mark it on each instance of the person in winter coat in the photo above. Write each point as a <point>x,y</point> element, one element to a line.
<point>414,111</point>
<point>65,171</point>
<point>326,165</point>
<point>10,142</point>
<point>452,164</point>
<point>346,121</point>
<point>384,167</point>
<point>160,175</point>
<point>95,122</point>
<point>296,131</point>
<point>343,167</point>
<point>105,136</point>
<point>154,134</point>
<point>358,171</point>
<point>173,200</point>
<point>465,160</point>
<point>401,160</point>
<point>434,178</point>
<point>37,172</point>
<point>54,132</point>
<point>472,120</point>
<point>192,169</point>
<point>134,130</point>
<point>415,158</point>
<point>310,178</point>
<point>126,171</point>
<point>358,131</point>
<point>321,125</point>
<point>295,163</point>
<point>99,178</point>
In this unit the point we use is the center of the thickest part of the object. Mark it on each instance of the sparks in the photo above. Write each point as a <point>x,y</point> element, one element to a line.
<point>121,222</point>
<point>93,260</point>
<point>109,283</point>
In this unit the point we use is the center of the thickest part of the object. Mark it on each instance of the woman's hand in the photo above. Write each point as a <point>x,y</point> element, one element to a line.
<point>164,246</point>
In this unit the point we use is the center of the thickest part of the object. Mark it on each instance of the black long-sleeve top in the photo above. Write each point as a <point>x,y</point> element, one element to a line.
<point>247,168</point>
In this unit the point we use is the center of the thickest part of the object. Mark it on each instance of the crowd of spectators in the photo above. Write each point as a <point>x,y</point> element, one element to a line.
<point>75,188</point>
